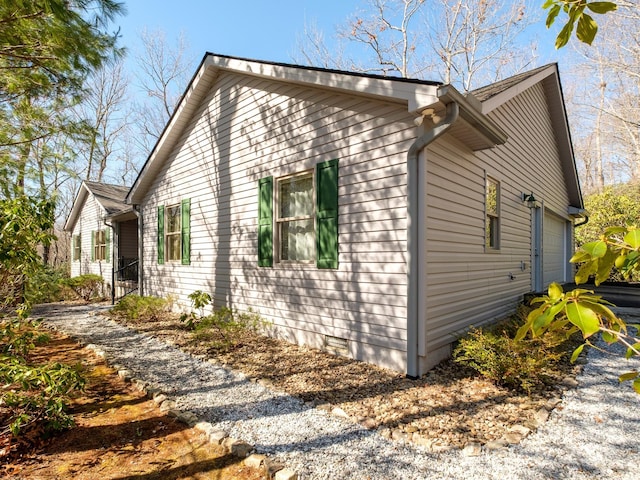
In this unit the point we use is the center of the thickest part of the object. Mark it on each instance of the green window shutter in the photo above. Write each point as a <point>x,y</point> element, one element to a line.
<point>160,234</point>
<point>265,222</point>
<point>79,246</point>
<point>186,231</point>
<point>93,246</point>
<point>327,214</point>
<point>107,247</point>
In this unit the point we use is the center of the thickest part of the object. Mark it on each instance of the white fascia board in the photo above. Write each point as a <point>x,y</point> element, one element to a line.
<point>78,204</point>
<point>417,95</point>
<point>189,101</point>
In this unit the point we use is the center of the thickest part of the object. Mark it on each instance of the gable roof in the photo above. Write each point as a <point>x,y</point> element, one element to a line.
<point>417,95</point>
<point>110,197</point>
<point>497,94</point>
<point>485,93</point>
<point>474,126</point>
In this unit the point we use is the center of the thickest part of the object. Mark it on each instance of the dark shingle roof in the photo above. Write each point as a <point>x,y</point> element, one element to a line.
<point>111,197</point>
<point>488,91</point>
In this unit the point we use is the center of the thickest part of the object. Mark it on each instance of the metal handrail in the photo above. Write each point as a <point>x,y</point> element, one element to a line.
<point>130,271</point>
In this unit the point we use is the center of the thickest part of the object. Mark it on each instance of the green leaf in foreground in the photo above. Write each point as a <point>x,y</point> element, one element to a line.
<point>577,352</point>
<point>584,318</point>
<point>628,376</point>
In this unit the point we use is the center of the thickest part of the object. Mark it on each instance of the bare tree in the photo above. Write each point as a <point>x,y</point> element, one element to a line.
<point>461,42</point>
<point>477,40</point>
<point>105,111</point>
<point>312,49</point>
<point>164,72</point>
<point>387,32</point>
<point>607,107</point>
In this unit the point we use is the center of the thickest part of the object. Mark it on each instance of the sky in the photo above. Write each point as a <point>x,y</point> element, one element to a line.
<point>262,30</point>
<point>256,29</point>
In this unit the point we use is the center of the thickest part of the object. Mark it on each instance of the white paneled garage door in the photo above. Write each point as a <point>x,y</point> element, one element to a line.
<point>554,257</point>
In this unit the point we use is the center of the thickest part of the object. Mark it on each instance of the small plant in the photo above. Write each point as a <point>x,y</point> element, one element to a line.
<point>86,286</point>
<point>145,309</point>
<point>199,300</point>
<point>521,365</point>
<point>225,328</point>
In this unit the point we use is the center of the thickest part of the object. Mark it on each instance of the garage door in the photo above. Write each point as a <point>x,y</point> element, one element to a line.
<point>554,258</point>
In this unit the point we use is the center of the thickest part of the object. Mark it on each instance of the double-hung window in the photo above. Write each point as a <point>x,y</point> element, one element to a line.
<point>100,241</point>
<point>492,214</point>
<point>76,247</point>
<point>296,218</point>
<point>174,232</point>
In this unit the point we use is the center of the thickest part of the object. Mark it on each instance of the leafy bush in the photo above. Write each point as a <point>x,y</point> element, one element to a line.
<point>86,286</point>
<point>32,397</point>
<point>18,338</point>
<point>225,327</point>
<point>524,365</point>
<point>144,309</point>
<point>37,394</point>
<point>48,285</point>
<point>614,206</point>
<point>26,223</point>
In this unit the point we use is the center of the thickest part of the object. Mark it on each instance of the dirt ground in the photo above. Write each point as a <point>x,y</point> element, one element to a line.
<point>449,407</point>
<point>119,434</point>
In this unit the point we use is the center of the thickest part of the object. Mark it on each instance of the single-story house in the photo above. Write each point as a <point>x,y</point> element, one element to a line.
<point>376,217</point>
<point>104,236</point>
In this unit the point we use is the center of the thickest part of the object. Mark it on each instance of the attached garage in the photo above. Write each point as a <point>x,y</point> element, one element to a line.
<point>554,249</point>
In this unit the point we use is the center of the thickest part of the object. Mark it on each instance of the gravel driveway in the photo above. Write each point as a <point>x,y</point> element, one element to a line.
<point>594,433</point>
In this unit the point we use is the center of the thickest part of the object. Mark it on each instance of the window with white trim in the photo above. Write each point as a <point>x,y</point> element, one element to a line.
<point>492,214</point>
<point>295,218</point>
<point>77,242</point>
<point>99,245</point>
<point>173,233</point>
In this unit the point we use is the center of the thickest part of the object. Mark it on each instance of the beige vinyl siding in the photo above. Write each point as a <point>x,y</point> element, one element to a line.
<point>89,220</point>
<point>248,128</point>
<point>467,285</point>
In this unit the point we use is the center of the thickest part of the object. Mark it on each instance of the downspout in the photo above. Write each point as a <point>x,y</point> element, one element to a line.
<point>113,259</point>
<point>136,210</point>
<point>584,222</point>
<point>416,281</point>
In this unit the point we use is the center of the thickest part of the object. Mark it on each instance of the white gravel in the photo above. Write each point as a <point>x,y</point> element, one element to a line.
<point>593,434</point>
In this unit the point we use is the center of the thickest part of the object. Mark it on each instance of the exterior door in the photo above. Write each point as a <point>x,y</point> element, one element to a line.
<point>549,249</point>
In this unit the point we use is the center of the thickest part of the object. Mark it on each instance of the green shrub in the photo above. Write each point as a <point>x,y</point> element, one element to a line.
<point>525,365</point>
<point>144,309</point>
<point>199,300</point>
<point>19,337</point>
<point>32,396</point>
<point>86,286</point>
<point>225,327</point>
<point>47,285</point>
<point>37,394</point>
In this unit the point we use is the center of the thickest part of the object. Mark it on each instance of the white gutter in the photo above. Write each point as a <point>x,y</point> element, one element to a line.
<point>416,230</point>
